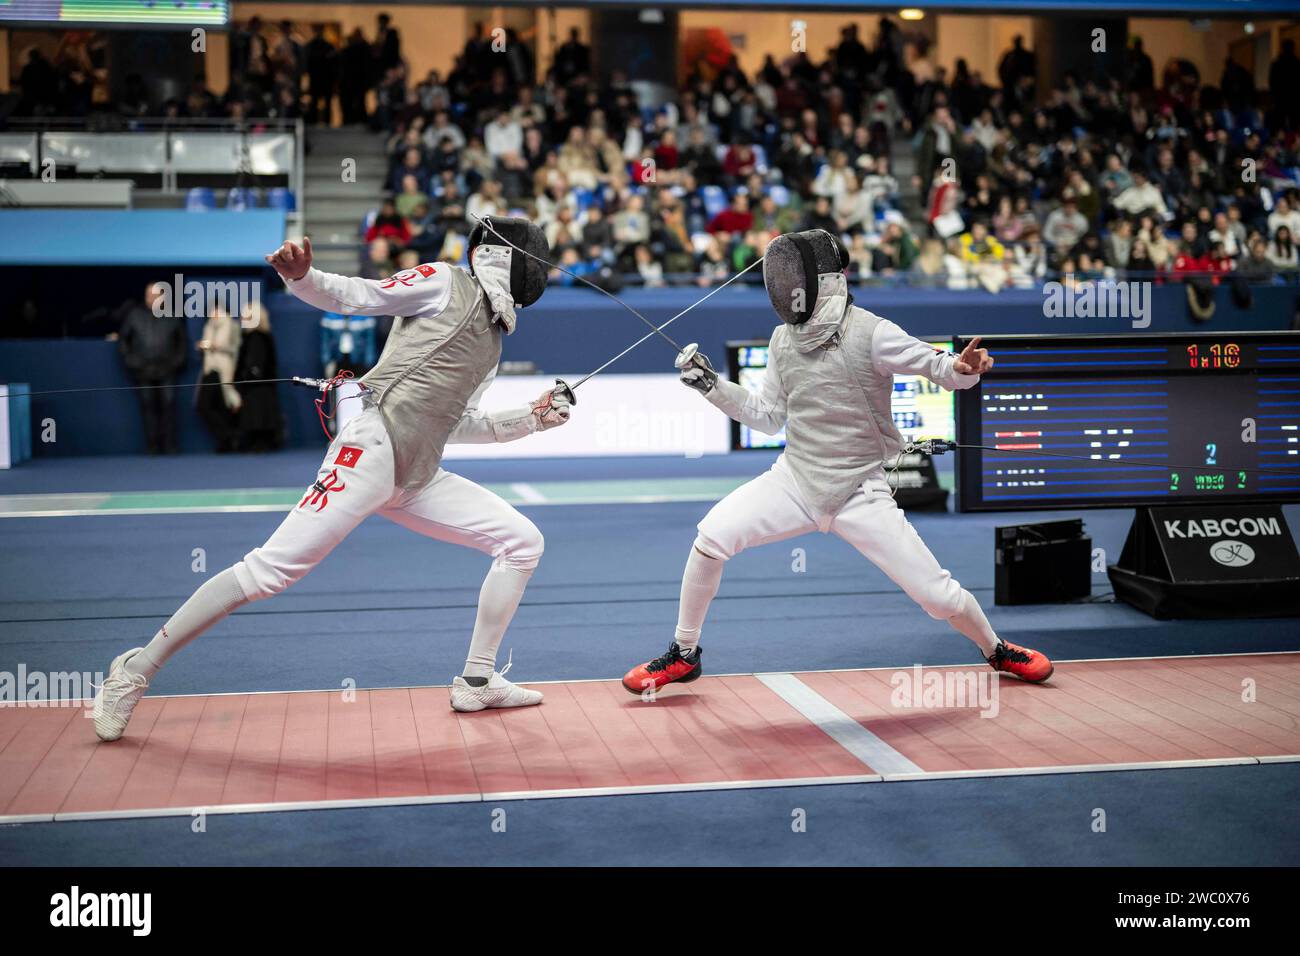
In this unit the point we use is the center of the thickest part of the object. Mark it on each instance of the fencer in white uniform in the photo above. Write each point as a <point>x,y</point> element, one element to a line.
<point>829,383</point>
<point>424,392</point>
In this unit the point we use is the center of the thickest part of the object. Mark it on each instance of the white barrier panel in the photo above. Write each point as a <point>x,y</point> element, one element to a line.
<point>18,148</point>
<point>269,154</point>
<point>615,415</point>
<point>107,152</point>
<point>74,193</point>
<point>5,457</point>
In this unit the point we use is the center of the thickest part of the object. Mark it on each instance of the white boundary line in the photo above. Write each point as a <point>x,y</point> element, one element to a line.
<point>128,512</point>
<point>666,499</point>
<point>649,789</point>
<point>528,493</point>
<point>875,753</point>
<point>1083,768</point>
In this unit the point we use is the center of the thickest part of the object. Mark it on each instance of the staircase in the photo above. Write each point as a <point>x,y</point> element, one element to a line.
<point>902,163</point>
<point>334,209</point>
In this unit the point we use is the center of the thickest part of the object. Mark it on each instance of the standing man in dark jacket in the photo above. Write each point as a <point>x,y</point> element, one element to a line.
<point>154,349</point>
<point>322,67</point>
<point>388,44</point>
<point>356,71</point>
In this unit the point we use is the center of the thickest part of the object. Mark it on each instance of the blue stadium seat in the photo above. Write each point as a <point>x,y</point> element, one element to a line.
<point>760,158</point>
<point>200,199</point>
<point>281,198</point>
<point>240,198</point>
<point>780,194</point>
<point>586,198</point>
<point>715,200</point>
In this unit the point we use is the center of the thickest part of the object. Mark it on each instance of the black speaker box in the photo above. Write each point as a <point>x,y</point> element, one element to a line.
<point>1045,563</point>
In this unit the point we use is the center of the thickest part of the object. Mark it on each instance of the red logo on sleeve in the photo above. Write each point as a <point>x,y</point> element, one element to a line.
<point>409,277</point>
<point>348,456</point>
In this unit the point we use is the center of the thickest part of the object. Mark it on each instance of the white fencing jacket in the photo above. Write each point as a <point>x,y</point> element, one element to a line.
<point>834,401</point>
<point>439,359</point>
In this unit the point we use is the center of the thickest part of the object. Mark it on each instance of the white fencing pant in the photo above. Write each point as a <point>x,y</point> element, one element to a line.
<point>356,480</point>
<point>771,508</point>
<point>449,508</point>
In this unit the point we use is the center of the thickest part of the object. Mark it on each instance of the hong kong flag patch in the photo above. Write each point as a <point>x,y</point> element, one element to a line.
<point>348,456</point>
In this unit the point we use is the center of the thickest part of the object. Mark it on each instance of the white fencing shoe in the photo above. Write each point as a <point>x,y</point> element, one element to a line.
<point>116,698</point>
<point>497,692</point>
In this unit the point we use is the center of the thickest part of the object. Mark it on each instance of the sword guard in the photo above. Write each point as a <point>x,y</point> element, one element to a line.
<point>686,357</point>
<point>562,388</point>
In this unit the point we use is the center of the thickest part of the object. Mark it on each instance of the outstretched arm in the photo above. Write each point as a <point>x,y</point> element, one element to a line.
<point>894,352</point>
<point>422,291</point>
<point>477,427</point>
<point>763,411</point>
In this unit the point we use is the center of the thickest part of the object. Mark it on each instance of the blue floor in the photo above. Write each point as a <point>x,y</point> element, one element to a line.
<point>390,608</point>
<point>1220,816</point>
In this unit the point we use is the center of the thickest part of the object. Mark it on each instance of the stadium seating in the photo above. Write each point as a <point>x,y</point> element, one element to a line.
<point>282,198</point>
<point>240,198</point>
<point>200,199</point>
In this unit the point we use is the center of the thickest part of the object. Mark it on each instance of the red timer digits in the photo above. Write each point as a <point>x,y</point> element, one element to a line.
<point>1218,355</point>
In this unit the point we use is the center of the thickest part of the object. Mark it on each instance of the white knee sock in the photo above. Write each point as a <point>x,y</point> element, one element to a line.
<point>699,585</point>
<point>971,622</point>
<point>216,598</point>
<point>498,600</point>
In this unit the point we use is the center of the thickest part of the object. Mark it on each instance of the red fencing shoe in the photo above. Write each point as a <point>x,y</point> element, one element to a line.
<point>1028,665</point>
<point>672,667</point>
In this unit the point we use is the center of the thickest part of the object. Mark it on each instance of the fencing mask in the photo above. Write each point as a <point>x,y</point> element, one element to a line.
<point>495,263</point>
<point>792,266</point>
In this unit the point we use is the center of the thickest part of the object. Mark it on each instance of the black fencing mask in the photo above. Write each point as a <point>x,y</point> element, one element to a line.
<point>791,268</point>
<point>527,274</point>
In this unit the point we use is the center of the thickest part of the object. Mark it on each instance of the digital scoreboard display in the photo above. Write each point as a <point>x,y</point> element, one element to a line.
<point>1147,419</point>
<point>146,12</point>
<point>921,409</point>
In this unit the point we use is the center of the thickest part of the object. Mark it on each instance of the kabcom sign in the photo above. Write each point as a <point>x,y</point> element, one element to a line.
<point>1207,561</point>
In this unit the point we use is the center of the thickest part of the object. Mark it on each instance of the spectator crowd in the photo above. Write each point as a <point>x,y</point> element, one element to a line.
<point>1137,173</point>
<point>1131,175</point>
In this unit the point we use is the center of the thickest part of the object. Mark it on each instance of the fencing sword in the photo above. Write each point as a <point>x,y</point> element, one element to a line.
<point>296,380</point>
<point>685,355</point>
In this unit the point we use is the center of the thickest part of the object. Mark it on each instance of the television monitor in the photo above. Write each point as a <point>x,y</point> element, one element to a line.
<point>1149,419</point>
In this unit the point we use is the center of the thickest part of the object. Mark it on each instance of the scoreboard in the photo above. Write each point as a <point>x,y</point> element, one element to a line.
<point>1145,419</point>
<point>117,12</point>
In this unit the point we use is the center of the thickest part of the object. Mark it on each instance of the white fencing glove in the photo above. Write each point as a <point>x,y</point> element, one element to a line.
<point>551,409</point>
<point>699,374</point>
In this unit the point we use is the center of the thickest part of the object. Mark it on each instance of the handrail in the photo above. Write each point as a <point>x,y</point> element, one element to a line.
<point>112,123</point>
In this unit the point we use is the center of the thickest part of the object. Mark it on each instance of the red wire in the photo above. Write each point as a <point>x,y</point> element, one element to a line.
<point>332,384</point>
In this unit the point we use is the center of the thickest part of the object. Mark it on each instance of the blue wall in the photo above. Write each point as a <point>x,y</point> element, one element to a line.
<point>105,237</point>
<point>570,332</point>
